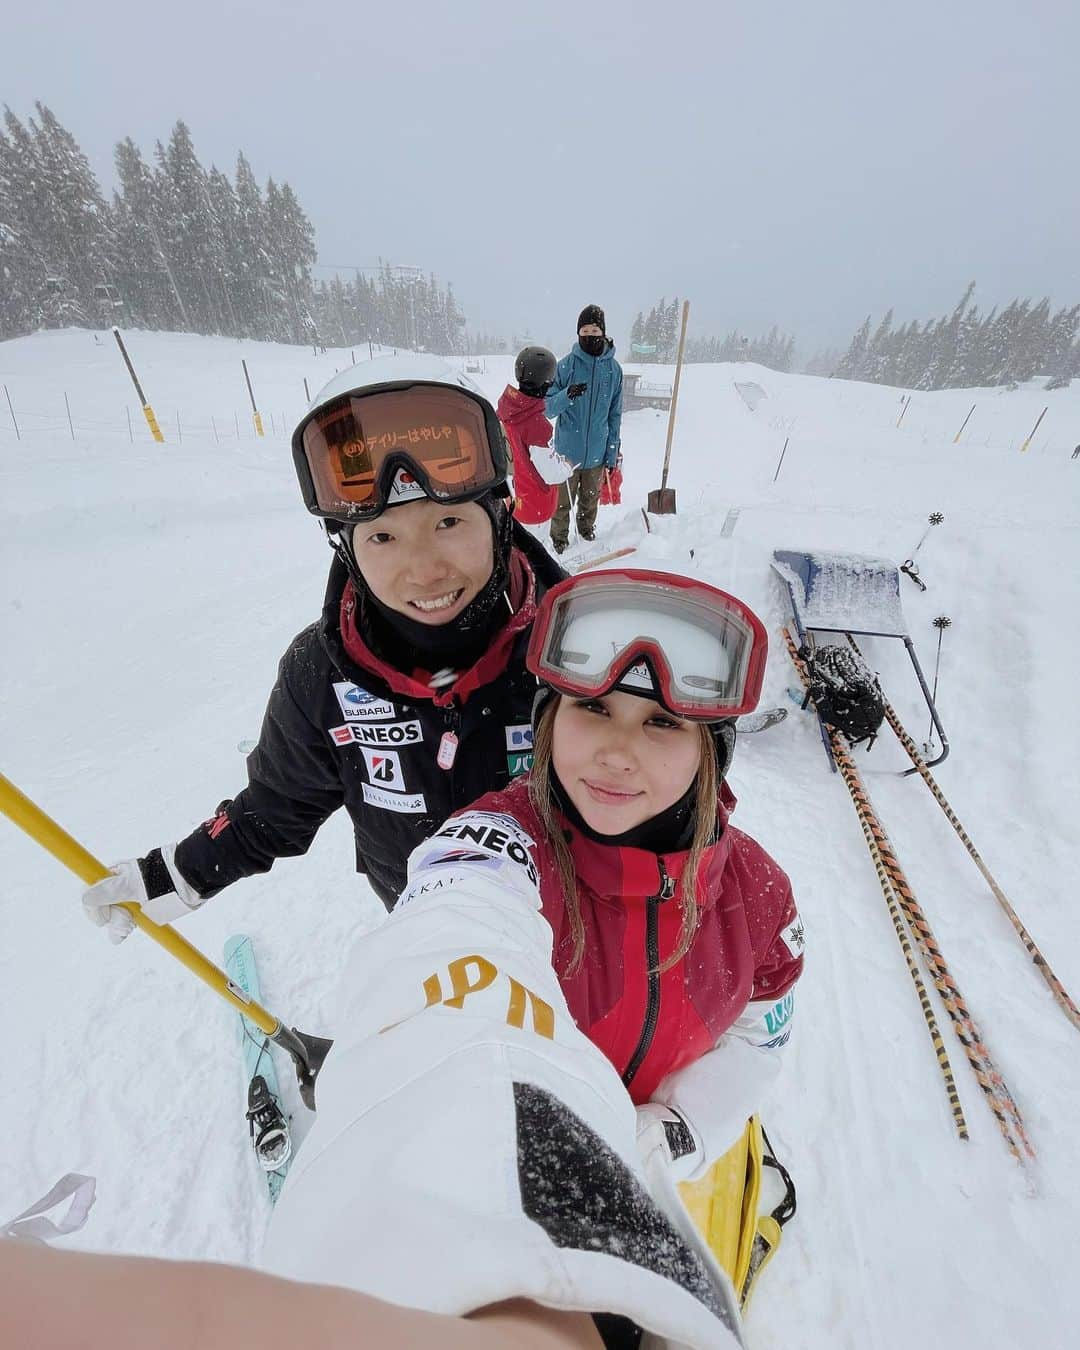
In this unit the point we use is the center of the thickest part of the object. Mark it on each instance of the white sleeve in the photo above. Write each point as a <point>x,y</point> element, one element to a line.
<point>470,1144</point>
<point>718,1093</point>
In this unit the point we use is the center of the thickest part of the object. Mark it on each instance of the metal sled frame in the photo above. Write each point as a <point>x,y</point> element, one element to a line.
<point>850,594</point>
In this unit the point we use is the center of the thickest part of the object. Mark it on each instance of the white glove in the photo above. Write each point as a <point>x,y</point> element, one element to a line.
<point>155,885</point>
<point>665,1135</point>
<point>552,468</point>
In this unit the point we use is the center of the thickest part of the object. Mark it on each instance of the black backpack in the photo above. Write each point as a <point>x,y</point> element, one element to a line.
<point>845,692</point>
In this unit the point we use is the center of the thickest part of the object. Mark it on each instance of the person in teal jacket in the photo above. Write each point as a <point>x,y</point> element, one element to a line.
<point>586,401</point>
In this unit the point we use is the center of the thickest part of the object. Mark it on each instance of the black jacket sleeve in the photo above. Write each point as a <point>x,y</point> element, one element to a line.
<point>293,786</point>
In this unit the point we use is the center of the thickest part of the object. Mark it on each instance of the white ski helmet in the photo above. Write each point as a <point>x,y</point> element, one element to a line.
<point>406,368</point>
<point>352,467</point>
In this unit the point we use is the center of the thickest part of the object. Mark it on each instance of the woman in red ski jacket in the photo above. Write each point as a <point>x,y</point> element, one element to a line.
<point>675,935</point>
<point>521,412</point>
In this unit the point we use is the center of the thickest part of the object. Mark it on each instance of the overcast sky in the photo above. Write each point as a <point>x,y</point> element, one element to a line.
<point>792,163</point>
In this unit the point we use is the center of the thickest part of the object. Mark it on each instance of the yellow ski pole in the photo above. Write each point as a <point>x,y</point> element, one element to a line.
<point>308,1052</point>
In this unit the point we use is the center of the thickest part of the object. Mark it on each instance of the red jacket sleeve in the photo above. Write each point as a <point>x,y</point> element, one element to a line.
<point>782,962</point>
<point>538,429</point>
<point>776,931</point>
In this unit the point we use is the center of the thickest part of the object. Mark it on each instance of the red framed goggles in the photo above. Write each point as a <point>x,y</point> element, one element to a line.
<point>348,452</point>
<point>695,649</point>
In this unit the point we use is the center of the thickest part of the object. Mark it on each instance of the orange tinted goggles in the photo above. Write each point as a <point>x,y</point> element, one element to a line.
<point>348,452</point>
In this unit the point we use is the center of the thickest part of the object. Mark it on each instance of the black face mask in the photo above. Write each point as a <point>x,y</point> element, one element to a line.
<point>535,390</point>
<point>594,346</point>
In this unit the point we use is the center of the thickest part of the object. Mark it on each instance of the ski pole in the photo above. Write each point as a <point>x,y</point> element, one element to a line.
<point>940,623</point>
<point>998,1097</point>
<point>936,1038</point>
<point>1068,1007</point>
<point>934,518</point>
<point>996,1092</point>
<point>308,1052</point>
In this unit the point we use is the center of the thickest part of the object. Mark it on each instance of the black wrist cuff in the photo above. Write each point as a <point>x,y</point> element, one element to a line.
<point>680,1138</point>
<point>155,875</point>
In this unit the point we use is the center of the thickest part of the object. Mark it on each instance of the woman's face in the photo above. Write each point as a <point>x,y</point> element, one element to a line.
<point>426,560</point>
<point>622,759</point>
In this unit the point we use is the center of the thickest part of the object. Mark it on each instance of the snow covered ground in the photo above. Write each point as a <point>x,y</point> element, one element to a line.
<point>148,592</point>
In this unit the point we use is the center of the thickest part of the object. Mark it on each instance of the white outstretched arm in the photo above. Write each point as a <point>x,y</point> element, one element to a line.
<point>471,1145</point>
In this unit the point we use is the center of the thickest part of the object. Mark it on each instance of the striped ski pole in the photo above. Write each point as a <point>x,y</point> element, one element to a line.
<point>997,1094</point>
<point>1040,962</point>
<point>998,1097</point>
<point>936,1038</point>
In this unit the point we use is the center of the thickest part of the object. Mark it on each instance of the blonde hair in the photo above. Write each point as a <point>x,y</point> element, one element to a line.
<point>542,796</point>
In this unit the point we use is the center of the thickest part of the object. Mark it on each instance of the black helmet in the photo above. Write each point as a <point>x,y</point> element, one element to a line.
<point>534,369</point>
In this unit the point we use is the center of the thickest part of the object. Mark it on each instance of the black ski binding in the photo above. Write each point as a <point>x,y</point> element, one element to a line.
<point>269,1128</point>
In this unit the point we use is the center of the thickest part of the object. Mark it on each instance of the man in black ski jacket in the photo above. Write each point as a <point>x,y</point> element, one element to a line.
<point>343,728</point>
<point>381,706</point>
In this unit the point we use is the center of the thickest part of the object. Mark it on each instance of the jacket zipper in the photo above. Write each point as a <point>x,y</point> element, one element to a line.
<point>588,421</point>
<point>652,958</point>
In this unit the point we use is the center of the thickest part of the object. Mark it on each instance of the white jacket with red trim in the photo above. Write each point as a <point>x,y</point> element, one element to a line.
<point>706,1035</point>
<point>471,1144</point>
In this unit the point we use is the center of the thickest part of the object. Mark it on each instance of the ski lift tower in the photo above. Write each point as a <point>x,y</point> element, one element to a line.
<point>108,302</point>
<point>411,276</point>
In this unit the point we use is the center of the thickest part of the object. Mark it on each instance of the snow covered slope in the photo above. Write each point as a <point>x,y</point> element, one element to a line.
<point>148,593</point>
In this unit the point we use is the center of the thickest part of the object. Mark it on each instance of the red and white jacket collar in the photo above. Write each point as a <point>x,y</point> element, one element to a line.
<point>522,592</point>
<point>621,873</point>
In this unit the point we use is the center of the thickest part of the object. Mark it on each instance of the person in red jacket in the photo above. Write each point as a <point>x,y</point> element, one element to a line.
<point>538,471</point>
<point>676,938</point>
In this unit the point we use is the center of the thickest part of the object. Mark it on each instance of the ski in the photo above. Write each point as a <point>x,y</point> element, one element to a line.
<point>268,1125</point>
<point>584,564</point>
